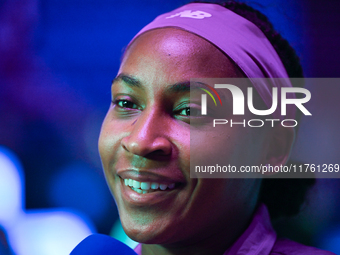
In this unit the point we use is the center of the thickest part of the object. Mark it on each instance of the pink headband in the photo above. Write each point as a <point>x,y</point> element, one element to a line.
<point>238,38</point>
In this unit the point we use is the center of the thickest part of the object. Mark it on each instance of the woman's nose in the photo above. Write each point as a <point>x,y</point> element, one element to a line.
<point>149,136</point>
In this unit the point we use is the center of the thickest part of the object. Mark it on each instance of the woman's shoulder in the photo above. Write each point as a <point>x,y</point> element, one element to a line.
<point>288,247</point>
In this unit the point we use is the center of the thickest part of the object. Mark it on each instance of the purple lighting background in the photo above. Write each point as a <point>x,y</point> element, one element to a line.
<point>57,61</point>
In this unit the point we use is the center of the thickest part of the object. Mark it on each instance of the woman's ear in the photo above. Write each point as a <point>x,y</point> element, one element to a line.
<point>280,145</point>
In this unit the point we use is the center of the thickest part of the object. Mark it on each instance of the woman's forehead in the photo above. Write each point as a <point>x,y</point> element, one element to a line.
<point>175,50</point>
<point>172,40</point>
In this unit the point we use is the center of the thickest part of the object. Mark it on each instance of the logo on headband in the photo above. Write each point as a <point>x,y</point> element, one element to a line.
<point>190,14</point>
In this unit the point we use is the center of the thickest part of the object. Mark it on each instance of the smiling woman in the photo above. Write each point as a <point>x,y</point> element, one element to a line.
<point>145,143</point>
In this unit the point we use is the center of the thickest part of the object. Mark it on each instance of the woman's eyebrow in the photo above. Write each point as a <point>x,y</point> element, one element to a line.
<point>185,86</point>
<point>129,80</point>
<point>178,87</point>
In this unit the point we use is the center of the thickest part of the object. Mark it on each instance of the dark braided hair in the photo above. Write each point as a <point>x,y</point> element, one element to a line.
<point>283,197</point>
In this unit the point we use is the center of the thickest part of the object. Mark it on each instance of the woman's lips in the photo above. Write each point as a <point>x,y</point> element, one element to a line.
<point>146,187</point>
<point>167,177</point>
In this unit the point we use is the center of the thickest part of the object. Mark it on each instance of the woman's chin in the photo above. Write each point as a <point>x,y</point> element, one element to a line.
<point>148,233</point>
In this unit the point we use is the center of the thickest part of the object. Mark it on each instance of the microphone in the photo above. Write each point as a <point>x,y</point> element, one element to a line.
<point>98,244</point>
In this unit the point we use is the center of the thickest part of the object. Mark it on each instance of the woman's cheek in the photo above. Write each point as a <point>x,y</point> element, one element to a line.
<point>107,142</point>
<point>103,143</point>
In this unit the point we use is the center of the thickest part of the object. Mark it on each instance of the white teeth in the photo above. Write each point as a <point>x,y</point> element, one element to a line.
<point>147,187</point>
<point>154,185</point>
<point>136,184</point>
<point>138,190</point>
<point>163,186</point>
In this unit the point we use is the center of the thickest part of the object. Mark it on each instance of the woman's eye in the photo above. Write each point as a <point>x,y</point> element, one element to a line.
<point>126,104</point>
<point>189,111</point>
<point>185,112</point>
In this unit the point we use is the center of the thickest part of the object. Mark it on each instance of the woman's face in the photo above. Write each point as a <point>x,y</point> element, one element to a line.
<point>145,140</point>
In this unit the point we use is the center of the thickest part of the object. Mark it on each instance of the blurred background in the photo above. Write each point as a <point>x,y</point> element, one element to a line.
<point>57,61</point>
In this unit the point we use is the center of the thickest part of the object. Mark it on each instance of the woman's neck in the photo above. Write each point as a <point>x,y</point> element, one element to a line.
<point>217,243</point>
